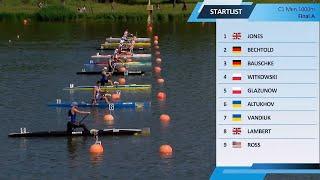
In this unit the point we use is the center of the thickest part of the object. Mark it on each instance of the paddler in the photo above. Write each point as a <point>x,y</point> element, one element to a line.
<point>110,68</point>
<point>106,76</point>
<point>98,94</point>
<point>73,124</point>
<point>116,53</point>
<point>115,59</point>
<point>131,48</point>
<point>120,47</point>
<point>123,39</point>
<point>125,34</point>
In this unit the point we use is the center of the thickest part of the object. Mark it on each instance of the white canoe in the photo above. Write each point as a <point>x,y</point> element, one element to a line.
<point>106,56</point>
<point>112,39</point>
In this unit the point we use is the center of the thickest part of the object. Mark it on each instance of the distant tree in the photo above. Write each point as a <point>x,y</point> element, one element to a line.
<point>184,6</point>
<point>25,1</point>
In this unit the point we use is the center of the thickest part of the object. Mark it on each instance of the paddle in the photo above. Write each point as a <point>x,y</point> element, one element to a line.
<point>83,118</point>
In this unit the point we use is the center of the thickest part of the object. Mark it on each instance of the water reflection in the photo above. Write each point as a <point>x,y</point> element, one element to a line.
<point>167,165</point>
<point>162,105</point>
<point>165,124</point>
<point>73,144</point>
<point>23,143</point>
<point>95,113</point>
<point>110,123</point>
<point>166,156</point>
<point>96,159</point>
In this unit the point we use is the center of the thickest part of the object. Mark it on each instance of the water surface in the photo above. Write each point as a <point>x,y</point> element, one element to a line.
<point>35,68</point>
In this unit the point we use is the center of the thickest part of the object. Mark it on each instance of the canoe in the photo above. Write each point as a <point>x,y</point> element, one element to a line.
<point>141,45</point>
<point>129,87</point>
<point>93,132</point>
<point>115,105</point>
<point>128,64</point>
<point>124,49</point>
<point>112,39</point>
<point>107,56</point>
<point>127,73</point>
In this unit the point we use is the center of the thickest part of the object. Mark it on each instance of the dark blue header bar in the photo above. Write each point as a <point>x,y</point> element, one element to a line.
<point>256,12</point>
<point>226,11</point>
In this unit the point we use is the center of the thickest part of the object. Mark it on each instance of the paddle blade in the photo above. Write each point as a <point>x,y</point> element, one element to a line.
<point>145,131</point>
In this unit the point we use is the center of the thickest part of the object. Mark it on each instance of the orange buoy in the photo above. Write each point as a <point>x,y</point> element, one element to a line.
<point>165,118</point>
<point>108,117</point>
<point>155,42</point>
<point>96,148</point>
<point>165,150</point>
<point>156,38</point>
<point>122,69</point>
<point>109,123</point>
<point>158,60</point>
<point>161,96</point>
<point>160,81</point>
<point>122,81</point>
<point>115,97</point>
<point>157,69</point>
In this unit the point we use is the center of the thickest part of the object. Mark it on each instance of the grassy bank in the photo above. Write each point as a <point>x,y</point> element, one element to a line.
<point>55,11</point>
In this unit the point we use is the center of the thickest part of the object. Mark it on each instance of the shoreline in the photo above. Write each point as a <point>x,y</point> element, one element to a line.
<point>110,17</point>
<point>10,11</point>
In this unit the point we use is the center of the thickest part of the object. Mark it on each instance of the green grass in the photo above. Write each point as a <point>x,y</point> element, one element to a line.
<point>55,13</point>
<point>153,1</point>
<point>282,1</point>
<point>16,10</point>
<point>122,12</point>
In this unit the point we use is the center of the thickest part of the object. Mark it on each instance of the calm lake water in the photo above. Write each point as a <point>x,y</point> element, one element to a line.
<point>35,68</point>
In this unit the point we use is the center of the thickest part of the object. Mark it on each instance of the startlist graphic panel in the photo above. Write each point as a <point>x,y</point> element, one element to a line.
<point>267,87</point>
<point>267,91</point>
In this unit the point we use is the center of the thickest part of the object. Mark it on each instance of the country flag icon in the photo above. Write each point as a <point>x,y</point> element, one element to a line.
<point>236,49</point>
<point>236,131</point>
<point>236,77</point>
<point>236,144</point>
<point>236,90</point>
<point>236,117</point>
<point>236,104</point>
<point>236,36</point>
<point>236,63</point>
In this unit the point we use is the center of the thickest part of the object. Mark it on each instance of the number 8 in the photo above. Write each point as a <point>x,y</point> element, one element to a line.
<point>111,106</point>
